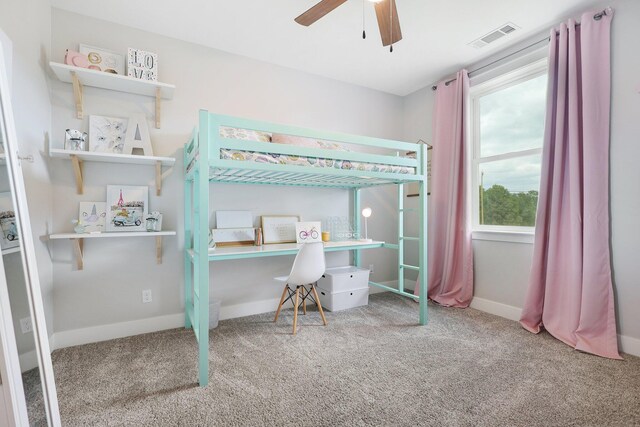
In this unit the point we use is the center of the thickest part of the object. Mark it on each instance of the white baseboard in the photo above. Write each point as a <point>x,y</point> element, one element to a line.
<point>94,334</point>
<point>629,345</point>
<point>626,344</point>
<point>115,330</point>
<point>503,310</point>
<point>266,306</point>
<point>248,308</point>
<point>28,361</point>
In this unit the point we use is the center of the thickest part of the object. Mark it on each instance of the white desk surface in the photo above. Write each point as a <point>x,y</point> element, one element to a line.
<point>235,252</point>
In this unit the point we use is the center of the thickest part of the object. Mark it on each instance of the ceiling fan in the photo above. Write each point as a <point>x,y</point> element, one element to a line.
<point>386,13</point>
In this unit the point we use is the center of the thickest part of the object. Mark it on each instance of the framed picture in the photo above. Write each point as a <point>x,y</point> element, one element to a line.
<point>234,236</point>
<point>103,60</point>
<point>127,207</point>
<point>8,222</point>
<point>234,219</point>
<point>142,65</point>
<point>279,228</point>
<point>107,134</point>
<point>308,232</point>
<point>93,216</point>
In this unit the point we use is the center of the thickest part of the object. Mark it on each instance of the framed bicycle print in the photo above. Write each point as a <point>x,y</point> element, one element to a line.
<point>279,228</point>
<point>308,232</point>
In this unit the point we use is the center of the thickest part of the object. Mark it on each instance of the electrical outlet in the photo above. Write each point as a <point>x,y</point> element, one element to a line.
<point>146,296</point>
<point>25,325</point>
<point>370,268</point>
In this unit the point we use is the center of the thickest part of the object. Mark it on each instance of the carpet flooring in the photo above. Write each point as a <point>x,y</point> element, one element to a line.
<point>370,366</point>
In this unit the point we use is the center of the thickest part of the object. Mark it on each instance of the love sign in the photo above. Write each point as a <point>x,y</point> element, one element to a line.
<point>142,65</point>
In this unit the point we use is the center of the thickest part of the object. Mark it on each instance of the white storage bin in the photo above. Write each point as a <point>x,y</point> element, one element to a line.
<point>214,313</point>
<point>336,301</point>
<point>340,279</point>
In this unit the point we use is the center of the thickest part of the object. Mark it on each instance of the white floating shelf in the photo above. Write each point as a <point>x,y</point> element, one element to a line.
<point>78,157</point>
<point>11,250</point>
<point>114,234</point>
<point>103,80</point>
<point>80,77</point>
<point>78,239</point>
<point>90,156</point>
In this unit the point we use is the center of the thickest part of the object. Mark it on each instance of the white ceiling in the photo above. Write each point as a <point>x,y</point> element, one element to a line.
<point>435,33</point>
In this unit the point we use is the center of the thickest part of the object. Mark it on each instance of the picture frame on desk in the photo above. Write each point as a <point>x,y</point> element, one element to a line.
<point>233,236</point>
<point>279,228</point>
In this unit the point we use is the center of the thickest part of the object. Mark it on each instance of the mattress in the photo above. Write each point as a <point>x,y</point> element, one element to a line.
<point>287,159</point>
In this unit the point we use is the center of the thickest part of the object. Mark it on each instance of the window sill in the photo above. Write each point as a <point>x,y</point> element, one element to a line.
<point>504,236</point>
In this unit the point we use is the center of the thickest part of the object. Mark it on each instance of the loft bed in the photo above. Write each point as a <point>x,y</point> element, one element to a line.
<point>231,150</point>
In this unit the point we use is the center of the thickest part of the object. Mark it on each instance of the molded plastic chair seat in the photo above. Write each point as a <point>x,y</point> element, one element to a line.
<point>308,267</point>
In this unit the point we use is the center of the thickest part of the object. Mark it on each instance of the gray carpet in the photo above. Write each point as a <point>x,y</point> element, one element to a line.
<point>369,366</point>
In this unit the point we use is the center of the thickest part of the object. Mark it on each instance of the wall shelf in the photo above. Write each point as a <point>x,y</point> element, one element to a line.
<point>78,241</point>
<point>13,250</point>
<point>79,157</point>
<point>80,77</point>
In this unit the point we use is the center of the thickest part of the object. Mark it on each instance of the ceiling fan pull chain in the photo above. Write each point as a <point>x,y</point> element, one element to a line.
<point>364,34</point>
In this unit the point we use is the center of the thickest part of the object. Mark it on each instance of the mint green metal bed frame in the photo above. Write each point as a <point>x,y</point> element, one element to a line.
<point>203,166</point>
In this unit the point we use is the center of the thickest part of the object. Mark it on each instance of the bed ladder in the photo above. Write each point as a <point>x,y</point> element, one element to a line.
<point>421,240</point>
<point>196,242</point>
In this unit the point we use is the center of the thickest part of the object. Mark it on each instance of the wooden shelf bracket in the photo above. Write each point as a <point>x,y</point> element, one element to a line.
<point>77,241</point>
<point>158,106</point>
<point>159,249</point>
<point>78,246</point>
<point>158,178</point>
<point>77,94</point>
<point>77,171</point>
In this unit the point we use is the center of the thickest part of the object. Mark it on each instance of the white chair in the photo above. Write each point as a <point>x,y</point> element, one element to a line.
<point>307,268</point>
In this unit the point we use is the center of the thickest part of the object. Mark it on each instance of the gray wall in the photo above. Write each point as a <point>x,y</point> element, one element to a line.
<point>502,268</point>
<point>109,289</point>
<point>28,25</point>
<point>625,173</point>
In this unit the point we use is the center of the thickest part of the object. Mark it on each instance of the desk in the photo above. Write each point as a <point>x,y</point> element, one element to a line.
<point>239,252</point>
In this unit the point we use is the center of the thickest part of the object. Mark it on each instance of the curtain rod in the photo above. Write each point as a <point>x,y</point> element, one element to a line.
<point>598,16</point>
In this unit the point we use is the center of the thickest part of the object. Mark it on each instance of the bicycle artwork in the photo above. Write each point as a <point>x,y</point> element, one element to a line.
<point>308,232</point>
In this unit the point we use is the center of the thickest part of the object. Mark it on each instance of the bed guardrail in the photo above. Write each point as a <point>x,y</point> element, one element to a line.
<point>218,143</point>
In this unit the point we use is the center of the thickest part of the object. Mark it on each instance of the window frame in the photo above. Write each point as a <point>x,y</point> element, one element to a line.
<point>501,82</point>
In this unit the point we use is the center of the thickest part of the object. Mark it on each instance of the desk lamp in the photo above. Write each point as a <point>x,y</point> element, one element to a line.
<point>366,213</point>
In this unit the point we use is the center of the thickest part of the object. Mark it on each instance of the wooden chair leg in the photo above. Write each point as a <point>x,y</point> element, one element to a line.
<point>284,294</point>
<point>304,302</point>
<point>315,295</point>
<point>295,310</point>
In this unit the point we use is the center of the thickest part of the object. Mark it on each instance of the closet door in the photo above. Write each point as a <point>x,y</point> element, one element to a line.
<point>26,369</point>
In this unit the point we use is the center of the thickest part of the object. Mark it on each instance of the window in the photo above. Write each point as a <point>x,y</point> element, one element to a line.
<point>507,127</point>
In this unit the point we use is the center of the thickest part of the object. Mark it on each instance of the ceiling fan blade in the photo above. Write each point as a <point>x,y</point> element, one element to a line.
<point>318,11</point>
<point>388,22</point>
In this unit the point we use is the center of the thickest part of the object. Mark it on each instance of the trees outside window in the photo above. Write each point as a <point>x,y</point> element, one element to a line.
<point>507,128</point>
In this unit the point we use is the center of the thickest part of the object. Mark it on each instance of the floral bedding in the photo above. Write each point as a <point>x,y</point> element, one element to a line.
<point>288,159</point>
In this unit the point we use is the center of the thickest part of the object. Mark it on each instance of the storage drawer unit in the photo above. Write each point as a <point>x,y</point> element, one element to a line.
<point>340,279</point>
<point>336,301</point>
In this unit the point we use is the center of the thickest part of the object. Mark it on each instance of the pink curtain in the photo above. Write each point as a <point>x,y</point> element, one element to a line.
<point>450,261</point>
<point>570,291</point>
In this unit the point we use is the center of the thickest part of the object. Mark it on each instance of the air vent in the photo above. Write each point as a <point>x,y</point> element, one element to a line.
<point>494,35</point>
